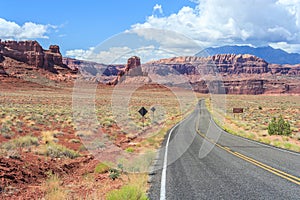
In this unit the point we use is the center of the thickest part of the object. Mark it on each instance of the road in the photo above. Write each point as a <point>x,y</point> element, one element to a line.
<point>200,161</point>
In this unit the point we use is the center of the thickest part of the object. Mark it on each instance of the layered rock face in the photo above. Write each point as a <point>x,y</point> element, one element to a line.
<point>225,63</point>
<point>235,74</point>
<point>31,53</point>
<point>224,73</point>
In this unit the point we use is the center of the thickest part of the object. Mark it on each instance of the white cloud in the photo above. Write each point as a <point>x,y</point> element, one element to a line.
<point>209,23</point>
<point>220,22</point>
<point>29,30</point>
<point>290,48</point>
<point>158,8</point>
<point>148,44</point>
<point>119,55</point>
<point>112,55</point>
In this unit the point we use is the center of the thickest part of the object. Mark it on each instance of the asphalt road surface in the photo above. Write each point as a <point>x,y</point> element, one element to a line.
<point>200,161</point>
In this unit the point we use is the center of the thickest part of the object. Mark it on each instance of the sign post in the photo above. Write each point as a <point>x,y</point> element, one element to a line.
<point>153,110</point>
<point>143,111</point>
<point>237,111</point>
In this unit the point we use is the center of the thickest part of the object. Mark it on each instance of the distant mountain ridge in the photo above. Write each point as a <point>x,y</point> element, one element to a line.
<point>269,54</point>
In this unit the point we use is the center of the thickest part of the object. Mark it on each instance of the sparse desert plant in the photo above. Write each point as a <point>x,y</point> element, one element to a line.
<point>53,188</point>
<point>59,151</point>
<point>47,136</point>
<point>114,174</point>
<point>74,140</point>
<point>20,142</point>
<point>82,148</point>
<point>26,141</point>
<point>127,192</point>
<point>6,131</point>
<point>101,168</point>
<point>108,122</point>
<point>129,150</point>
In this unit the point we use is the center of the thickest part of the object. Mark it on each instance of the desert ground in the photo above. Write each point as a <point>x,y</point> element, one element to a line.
<point>88,141</point>
<point>46,154</point>
<point>258,111</point>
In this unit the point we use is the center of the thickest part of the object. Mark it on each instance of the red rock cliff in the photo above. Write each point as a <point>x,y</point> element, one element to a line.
<point>31,53</point>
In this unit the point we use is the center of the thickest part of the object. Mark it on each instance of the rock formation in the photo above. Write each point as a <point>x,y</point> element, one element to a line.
<point>239,74</point>
<point>133,68</point>
<point>27,61</point>
<point>31,53</point>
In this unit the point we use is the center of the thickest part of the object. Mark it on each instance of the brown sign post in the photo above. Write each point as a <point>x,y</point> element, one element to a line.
<point>238,110</point>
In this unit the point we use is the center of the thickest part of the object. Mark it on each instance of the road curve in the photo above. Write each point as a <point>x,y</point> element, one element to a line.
<point>227,167</point>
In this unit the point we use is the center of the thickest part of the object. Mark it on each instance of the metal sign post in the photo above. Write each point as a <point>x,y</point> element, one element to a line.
<point>153,110</point>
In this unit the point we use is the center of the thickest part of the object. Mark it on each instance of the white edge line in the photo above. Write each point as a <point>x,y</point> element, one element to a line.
<point>164,170</point>
<point>165,164</point>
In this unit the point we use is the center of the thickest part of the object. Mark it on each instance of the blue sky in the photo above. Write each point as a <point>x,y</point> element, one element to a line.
<point>79,26</point>
<point>84,23</point>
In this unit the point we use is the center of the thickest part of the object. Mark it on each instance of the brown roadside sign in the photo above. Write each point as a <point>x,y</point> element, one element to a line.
<point>238,110</point>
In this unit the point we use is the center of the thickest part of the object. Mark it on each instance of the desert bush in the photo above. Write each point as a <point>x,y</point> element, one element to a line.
<point>53,188</point>
<point>101,168</point>
<point>128,192</point>
<point>59,151</point>
<point>74,141</point>
<point>48,136</point>
<point>279,127</point>
<point>114,174</point>
<point>24,141</point>
<point>6,131</point>
<point>129,150</point>
<point>82,148</point>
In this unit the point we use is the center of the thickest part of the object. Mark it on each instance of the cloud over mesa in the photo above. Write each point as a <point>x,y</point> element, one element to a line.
<point>29,30</point>
<point>210,23</point>
<point>223,22</point>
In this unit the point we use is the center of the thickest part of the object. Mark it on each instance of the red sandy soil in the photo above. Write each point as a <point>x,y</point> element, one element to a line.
<point>22,176</point>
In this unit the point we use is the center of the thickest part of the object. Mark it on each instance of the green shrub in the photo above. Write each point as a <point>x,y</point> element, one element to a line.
<point>59,151</point>
<point>279,127</point>
<point>129,150</point>
<point>25,141</point>
<point>127,192</point>
<point>6,131</point>
<point>101,168</point>
<point>114,174</point>
<point>82,148</point>
<point>76,141</point>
